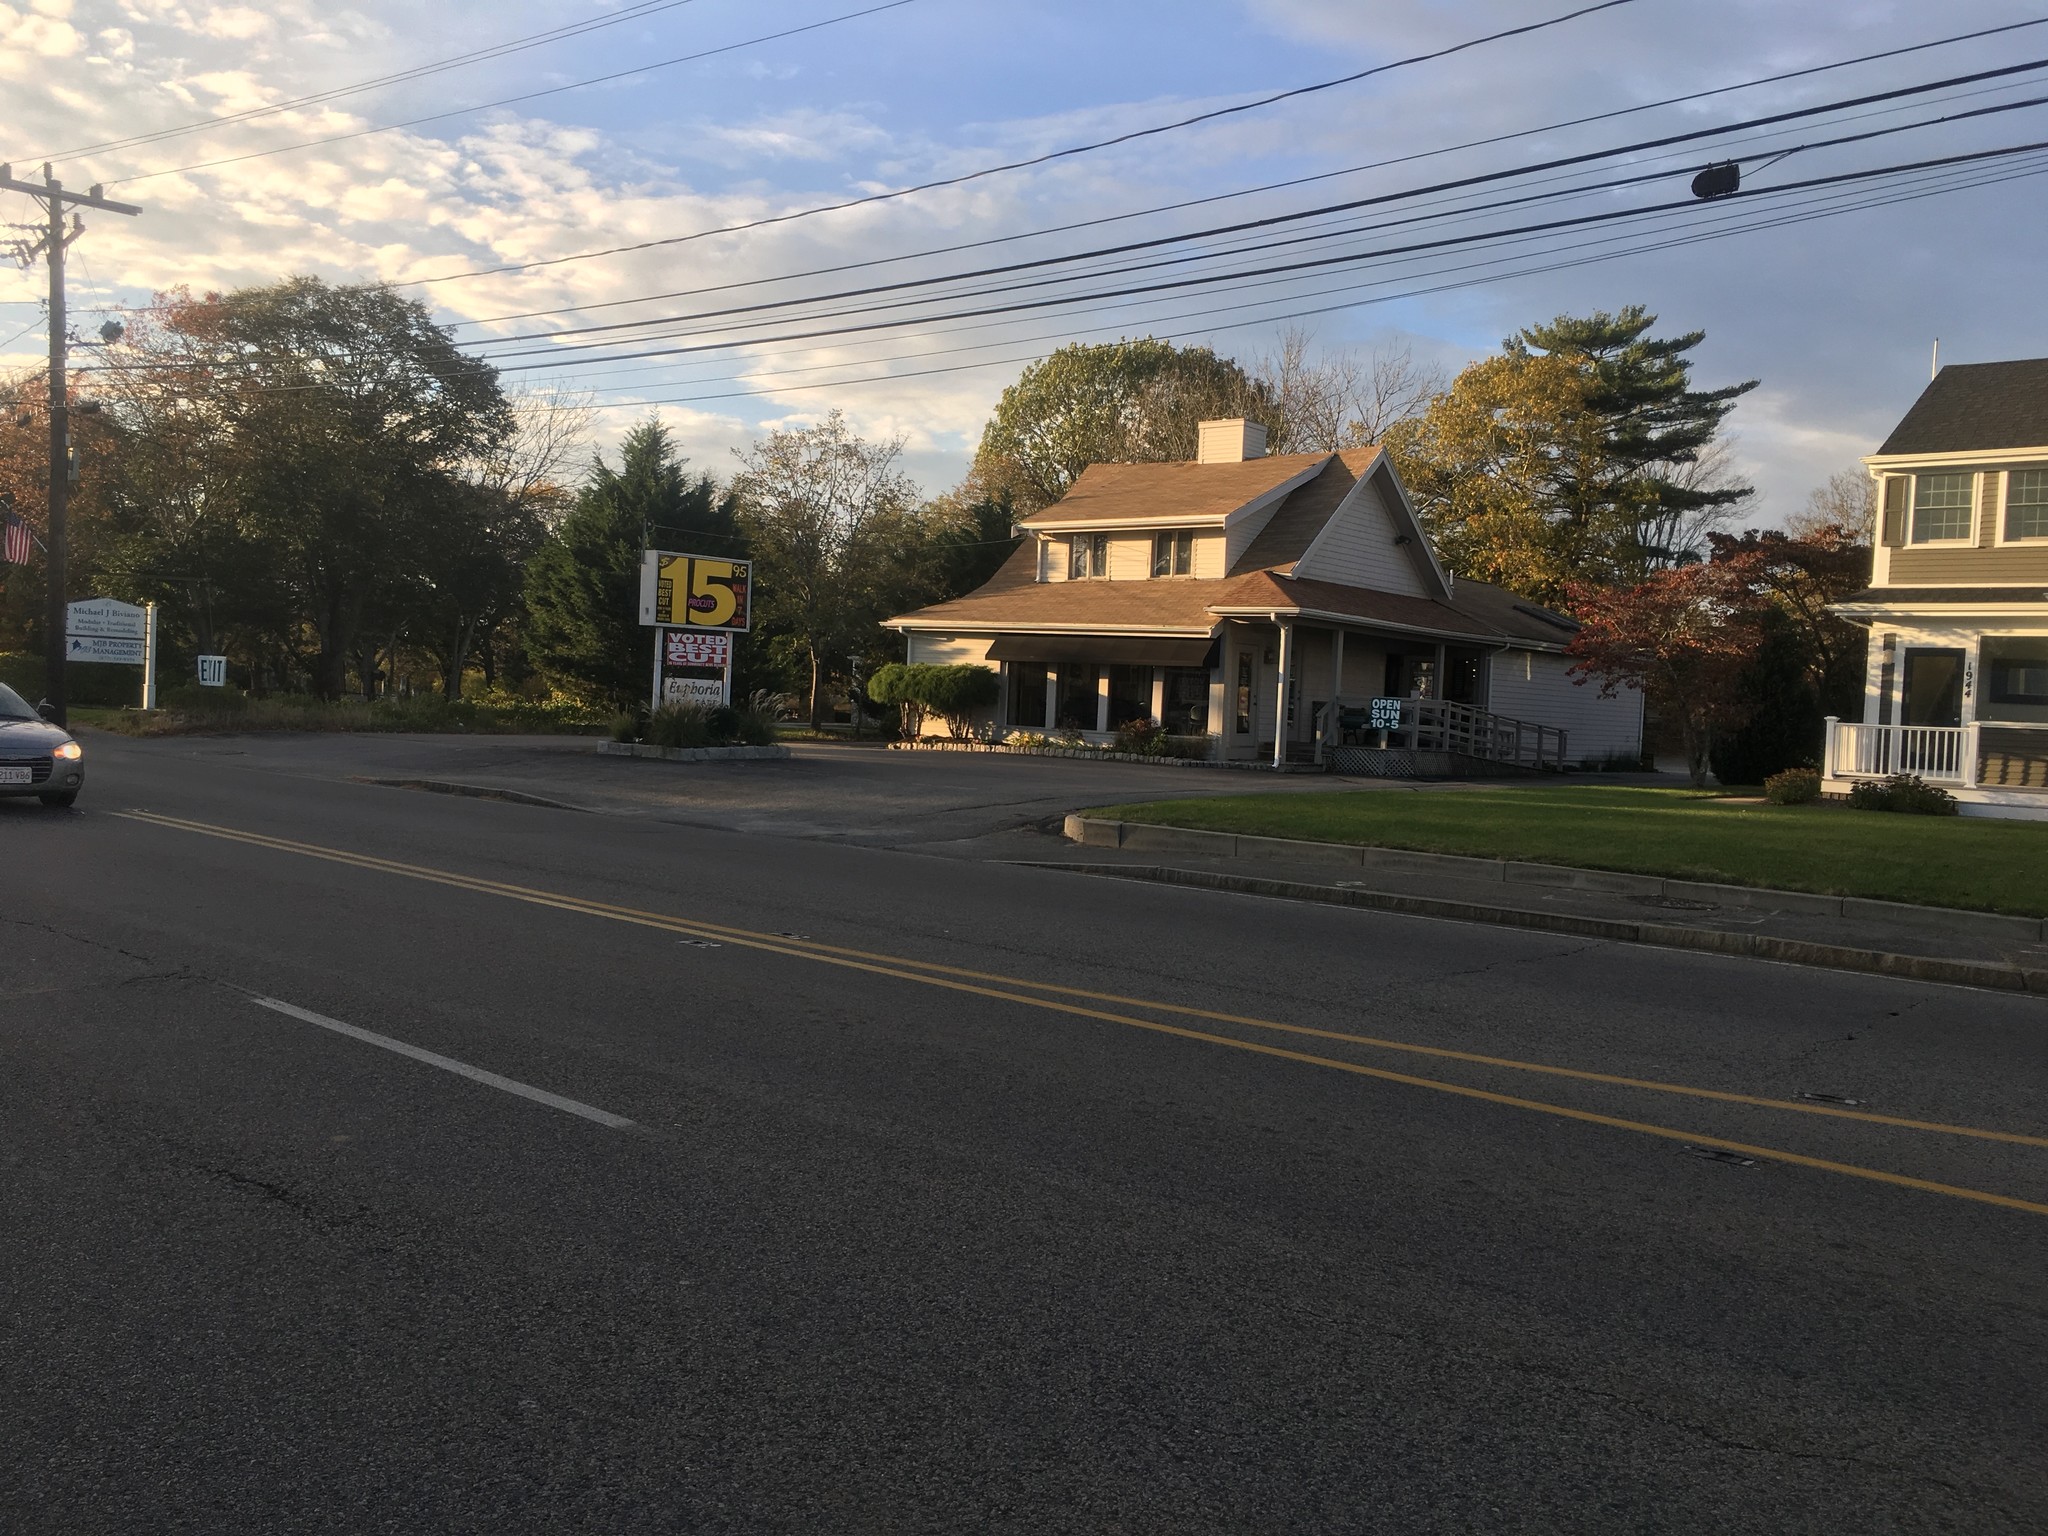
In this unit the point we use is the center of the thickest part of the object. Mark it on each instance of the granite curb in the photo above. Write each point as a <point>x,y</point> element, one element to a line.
<point>1756,946</point>
<point>1142,837</point>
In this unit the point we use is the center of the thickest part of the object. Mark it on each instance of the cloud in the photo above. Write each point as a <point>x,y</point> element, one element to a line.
<point>1835,315</point>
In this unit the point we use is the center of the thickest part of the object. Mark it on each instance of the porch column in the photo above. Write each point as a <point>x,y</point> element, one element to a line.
<point>1280,697</point>
<point>1052,698</point>
<point>1336,691</point>
<point>1102,698</point>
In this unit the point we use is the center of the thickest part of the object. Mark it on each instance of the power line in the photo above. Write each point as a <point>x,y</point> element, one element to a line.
<point>1044,159</point>
<point>1322,262</point>
<point>506,101</point>
<point>1349,205</point>
<point>2038,168</point>
<point>633,12</point>
<point>1271,186</point>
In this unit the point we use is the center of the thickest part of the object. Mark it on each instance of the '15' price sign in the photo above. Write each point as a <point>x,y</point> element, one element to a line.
<point>694,591</point>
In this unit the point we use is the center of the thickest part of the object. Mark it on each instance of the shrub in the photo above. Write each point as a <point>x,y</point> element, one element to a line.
<point>1905,793</point>
<point>625,726</point>
<point>955,693</point>
<point>1144,737</point>
<point>1027,739</point>
<point>952,693</point>
<point>680,725</point>
<point>1197,749</point>
<point>1795,786</point>
<point>897,685</point>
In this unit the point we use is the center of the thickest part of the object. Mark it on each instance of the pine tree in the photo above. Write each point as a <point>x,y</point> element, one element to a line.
<point>1655,427</point>
<point>583,587</point>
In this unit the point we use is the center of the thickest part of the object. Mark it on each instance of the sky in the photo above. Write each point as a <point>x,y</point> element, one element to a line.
<point>781,106</point>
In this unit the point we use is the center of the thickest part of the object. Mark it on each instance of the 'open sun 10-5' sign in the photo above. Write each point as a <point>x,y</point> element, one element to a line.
<point>693,591</point>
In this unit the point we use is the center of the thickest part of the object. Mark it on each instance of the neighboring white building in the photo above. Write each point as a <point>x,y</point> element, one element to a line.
<point>1957,684</point>
<point>1263,603</point>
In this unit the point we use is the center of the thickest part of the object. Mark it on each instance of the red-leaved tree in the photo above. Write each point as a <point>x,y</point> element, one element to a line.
<point>1682,637</point>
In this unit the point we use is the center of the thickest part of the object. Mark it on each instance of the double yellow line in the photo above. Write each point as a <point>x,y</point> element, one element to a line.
<point>1049,996</point>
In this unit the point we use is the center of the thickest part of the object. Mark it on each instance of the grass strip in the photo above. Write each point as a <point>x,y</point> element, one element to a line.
<point>1977,864</point>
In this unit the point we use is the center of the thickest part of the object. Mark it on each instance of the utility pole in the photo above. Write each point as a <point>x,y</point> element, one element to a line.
<point>51,246</point>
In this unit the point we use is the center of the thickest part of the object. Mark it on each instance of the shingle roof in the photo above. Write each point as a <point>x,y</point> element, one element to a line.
<point>1014,599</point>
<point>1128,493</point>
<point>1297,520</point>
<point>1977,406</point>
<point>1183,606</point>
<point>1509,614</point>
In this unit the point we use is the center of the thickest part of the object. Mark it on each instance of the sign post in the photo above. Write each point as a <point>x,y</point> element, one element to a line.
<point>149,656</point>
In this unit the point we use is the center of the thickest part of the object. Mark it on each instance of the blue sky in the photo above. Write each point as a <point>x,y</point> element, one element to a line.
<point>1835,315</point>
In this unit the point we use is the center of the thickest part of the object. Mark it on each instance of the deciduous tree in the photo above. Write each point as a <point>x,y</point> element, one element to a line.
<point>1682,636</point>
<point>835,538</point>
<point>1119,402</point>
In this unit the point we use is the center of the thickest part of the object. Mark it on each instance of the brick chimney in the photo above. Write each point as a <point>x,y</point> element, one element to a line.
<point>1231,441</point>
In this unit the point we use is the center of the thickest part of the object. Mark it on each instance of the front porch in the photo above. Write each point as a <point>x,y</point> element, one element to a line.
<point>1269,692</point>
<point>1992,769</point>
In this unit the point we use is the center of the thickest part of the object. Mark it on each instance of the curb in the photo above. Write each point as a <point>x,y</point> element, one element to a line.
<point>472,791</point>
<point>1754,946</point>
<point>692,754</point>
<point>1092,755</point>
<point>1143,837</point>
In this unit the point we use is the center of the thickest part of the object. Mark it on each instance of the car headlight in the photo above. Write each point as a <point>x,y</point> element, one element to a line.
<point>70,752</point>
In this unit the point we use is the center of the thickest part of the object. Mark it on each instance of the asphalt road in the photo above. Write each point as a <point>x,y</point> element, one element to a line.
<point>955,1196</point>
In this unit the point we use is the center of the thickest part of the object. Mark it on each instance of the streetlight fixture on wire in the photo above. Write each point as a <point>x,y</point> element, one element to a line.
<point>50,244</point>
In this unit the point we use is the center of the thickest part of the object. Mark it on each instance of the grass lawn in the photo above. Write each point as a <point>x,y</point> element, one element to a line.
<point>1999,866</point>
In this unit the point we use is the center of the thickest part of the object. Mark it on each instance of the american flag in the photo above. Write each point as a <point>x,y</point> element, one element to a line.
<point>17,539</point>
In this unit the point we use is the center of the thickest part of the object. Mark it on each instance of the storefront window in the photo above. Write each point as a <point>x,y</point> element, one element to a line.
<point>1130,695</point>
<point>1187,701</point>
<point>1077,698</point>
<point>1027,695</point>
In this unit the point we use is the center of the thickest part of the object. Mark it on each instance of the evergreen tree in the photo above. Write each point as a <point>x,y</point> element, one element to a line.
<point>583,586</point>
<point>1654,427</point>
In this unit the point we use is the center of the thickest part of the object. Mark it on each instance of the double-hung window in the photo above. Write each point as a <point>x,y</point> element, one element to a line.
<point>1173,554</point>
<point>1941,507</point>
<point>2026,504</point>
<point>1087,556</point>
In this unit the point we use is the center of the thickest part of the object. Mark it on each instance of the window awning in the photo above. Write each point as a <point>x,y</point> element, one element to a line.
<point>1112,650</point>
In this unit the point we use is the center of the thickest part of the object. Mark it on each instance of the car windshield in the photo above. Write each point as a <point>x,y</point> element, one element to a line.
<point>13,707</point>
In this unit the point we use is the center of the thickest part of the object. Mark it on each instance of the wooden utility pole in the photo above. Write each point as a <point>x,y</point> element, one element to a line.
<point>51,247</point>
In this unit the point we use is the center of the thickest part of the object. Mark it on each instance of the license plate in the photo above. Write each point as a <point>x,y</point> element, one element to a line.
<point>17,775</point>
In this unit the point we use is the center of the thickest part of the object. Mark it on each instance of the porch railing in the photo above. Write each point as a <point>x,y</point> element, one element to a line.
<point>1944,754</point>
<point>1437,725</point>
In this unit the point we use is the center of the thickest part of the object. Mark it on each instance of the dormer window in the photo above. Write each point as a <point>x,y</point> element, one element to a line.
<point>1087,556</point>
<point>1173,554</point>
<point>1941,508</point>
<point>2026,504</point>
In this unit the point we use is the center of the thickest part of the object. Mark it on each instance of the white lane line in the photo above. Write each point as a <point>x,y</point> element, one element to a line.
<point>450,1064</point>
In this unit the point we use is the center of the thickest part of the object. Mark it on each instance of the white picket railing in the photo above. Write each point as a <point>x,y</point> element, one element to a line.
<point>1945,754</point>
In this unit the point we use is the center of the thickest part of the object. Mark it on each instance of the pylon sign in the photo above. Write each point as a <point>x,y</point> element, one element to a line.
<point>694,591</point>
